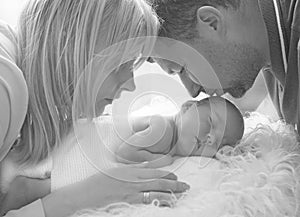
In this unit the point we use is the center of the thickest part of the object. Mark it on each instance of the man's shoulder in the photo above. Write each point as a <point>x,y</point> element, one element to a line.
<point>295,14</point>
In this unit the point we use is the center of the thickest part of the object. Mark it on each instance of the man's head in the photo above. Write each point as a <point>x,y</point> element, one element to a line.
<point>207,125</point>
<point>230,34</point>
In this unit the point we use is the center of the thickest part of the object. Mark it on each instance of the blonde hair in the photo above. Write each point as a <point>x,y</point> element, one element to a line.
<point>58,43</point>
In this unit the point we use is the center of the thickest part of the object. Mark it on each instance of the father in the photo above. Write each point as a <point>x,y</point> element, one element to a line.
<point>239,38</point>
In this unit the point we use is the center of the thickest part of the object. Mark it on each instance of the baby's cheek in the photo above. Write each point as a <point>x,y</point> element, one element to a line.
<point>209,151</point>
<point>187,147</point>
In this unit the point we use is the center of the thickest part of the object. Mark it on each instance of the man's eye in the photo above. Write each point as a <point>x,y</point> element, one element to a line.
<point>182,70</point>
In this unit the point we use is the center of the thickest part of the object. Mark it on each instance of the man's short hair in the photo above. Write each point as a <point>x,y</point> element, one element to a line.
<point>178,17</point>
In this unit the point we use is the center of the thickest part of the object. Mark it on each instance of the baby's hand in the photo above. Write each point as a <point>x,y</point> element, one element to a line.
<point>160,161</point>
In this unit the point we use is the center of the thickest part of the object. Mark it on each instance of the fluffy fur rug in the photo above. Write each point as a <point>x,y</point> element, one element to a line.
<point>258,178</point>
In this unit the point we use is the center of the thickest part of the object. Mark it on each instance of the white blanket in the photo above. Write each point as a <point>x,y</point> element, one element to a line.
<point>259,178</point>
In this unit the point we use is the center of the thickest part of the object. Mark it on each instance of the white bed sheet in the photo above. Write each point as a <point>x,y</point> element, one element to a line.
<point>260,178</point>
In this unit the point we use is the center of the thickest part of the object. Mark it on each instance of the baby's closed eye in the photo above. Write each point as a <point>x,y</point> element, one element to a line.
<point>198,143</point>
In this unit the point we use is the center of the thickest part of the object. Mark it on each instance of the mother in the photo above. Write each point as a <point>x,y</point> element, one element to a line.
<point>63,53</point>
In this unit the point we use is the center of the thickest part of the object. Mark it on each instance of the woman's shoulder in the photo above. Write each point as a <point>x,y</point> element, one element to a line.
<point>8,42</point>
<point>6,29</point>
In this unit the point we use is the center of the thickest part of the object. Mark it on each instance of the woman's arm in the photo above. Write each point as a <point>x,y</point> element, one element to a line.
<point>24,191</point>
<point>124,184</point>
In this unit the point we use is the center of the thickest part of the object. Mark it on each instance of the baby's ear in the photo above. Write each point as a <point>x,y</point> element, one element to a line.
<point>210,139</point>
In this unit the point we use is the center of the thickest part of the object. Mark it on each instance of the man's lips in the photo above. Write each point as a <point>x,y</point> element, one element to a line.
<point>197,89</point>
<point>218,92</point>
<point>211,92</point>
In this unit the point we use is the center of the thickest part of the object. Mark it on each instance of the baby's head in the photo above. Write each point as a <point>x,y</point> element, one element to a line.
<point>207,125</point>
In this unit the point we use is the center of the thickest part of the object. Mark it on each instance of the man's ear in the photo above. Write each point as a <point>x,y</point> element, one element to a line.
<point>210,20</point>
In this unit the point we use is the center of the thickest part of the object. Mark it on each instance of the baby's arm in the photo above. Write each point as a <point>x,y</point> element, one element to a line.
<point>153,135</point>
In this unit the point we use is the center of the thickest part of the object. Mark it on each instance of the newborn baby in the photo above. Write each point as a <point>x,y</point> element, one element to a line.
<point>201,128</point>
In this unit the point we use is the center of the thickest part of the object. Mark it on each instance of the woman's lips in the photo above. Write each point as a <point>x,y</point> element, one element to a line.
<point>108,100</point>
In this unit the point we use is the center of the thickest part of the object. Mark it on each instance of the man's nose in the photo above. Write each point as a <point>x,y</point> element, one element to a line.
<point>193,88</point>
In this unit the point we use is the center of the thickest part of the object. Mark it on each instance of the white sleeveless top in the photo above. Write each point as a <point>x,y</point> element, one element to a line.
<point>87,152</point>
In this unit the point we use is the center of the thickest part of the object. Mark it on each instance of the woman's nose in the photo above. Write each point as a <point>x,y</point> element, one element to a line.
<point>129,85</point>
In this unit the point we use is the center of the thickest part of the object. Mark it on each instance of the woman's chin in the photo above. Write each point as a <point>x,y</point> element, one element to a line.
<point>100,107</point>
